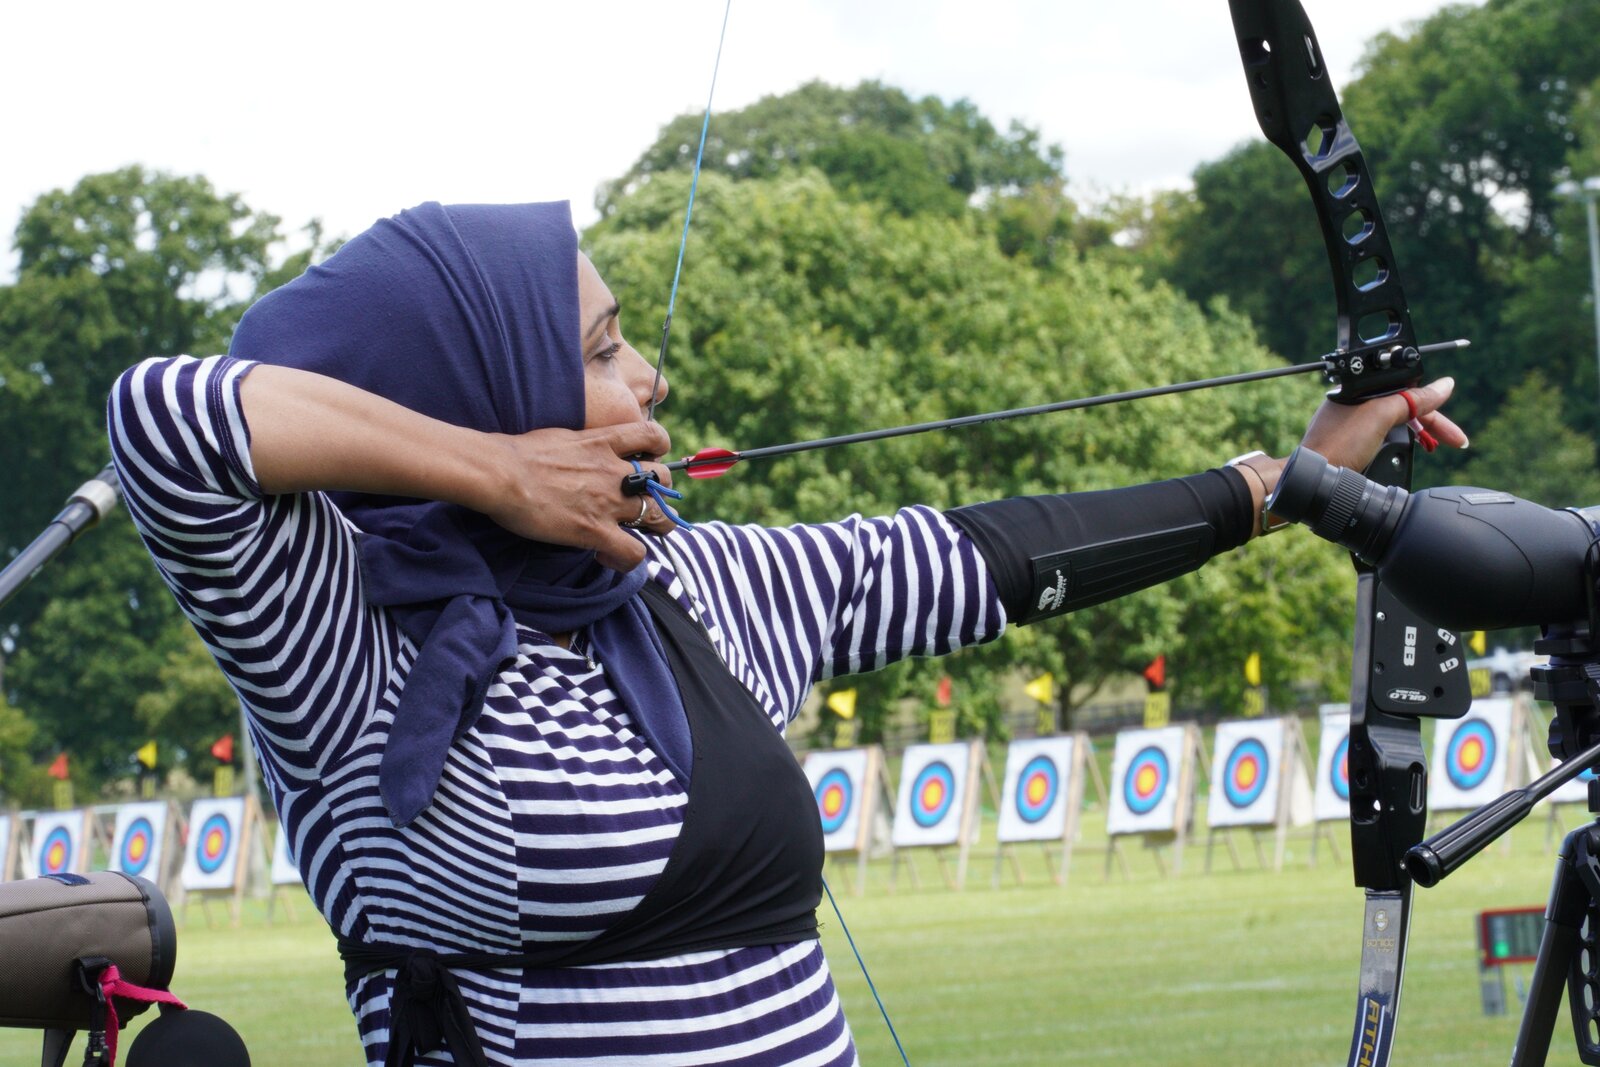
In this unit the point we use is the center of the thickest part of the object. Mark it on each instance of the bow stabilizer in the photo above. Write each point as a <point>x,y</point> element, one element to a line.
<point>1402,667</point>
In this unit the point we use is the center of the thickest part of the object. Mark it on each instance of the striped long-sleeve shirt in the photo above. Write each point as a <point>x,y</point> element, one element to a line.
<point>553,816</point>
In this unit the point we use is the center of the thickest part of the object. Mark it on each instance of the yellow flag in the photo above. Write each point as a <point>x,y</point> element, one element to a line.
<point>1479,642</point>
<point>1042,688</point>
<point>842,703</point>
<point>147,755</point>
<point>1252,669</point>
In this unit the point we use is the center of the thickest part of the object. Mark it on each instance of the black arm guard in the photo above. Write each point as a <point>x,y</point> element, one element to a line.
<point>1052,554</point>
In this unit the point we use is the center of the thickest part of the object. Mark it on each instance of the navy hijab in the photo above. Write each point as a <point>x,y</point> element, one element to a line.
<point>468,314</point>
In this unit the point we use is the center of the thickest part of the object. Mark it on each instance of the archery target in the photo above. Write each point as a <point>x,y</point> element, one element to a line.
<point>284,869</point>
<point>934,786</point>
<point>1331,796</point>
<point>211,855</point>
<point>1145,768</point>
<point>1245,773</point>
<point>5,847</point>
<point>1469,757</point>
<point>138,839</point>
<point>1037,792</point>
<point>839,783</point>
<point>57,844</point>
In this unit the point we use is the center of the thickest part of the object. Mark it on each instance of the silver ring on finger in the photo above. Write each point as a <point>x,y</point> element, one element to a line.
<point>638,520</point>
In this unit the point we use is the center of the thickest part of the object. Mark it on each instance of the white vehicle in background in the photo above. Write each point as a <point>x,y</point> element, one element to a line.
<point>1508,670</point>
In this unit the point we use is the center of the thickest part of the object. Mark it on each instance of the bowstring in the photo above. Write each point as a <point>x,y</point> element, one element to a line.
<point>688,214</point>
<point>650,414</point>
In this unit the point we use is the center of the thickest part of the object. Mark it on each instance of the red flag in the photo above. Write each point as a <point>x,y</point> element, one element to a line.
<point>1156,673</point>
<point>58,769</point>
<point>942,695</point>
<point>223,748</point>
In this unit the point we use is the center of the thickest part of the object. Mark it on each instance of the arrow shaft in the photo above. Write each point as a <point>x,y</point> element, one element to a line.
<point>771,451</point>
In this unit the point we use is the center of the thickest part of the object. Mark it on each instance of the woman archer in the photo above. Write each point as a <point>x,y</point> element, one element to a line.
<point>524,732</point>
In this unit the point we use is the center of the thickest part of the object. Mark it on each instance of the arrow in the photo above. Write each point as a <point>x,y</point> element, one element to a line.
<point>715,462</point>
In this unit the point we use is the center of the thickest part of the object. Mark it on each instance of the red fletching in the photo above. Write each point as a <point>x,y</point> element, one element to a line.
<point>710,463</point>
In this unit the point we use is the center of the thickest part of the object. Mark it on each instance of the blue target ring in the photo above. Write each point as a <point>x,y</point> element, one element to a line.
<point>1244,775</point>
<point>1339,769</point>
<point>55,852</point>
<point>213,843</point>
<point>835,797</point>
<point>1037,787</point>
<point>137,843</point>
<point>1146,781</point>
<point>1469,757</point>
<point>932,793</point>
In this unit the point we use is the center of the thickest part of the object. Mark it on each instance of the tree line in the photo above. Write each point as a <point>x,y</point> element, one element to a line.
<point>863,258</point>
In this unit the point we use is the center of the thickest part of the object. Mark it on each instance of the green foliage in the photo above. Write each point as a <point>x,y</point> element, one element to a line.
<point>805,313</point>
<point>122,266</point>
<point>1527,449</point>
<point>873,141</point>
<point>1468,125</point>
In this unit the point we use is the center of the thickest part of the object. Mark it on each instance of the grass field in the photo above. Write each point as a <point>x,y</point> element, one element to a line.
<point>1236,967</point>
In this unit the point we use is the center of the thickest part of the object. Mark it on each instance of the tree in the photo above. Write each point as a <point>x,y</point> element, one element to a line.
<point>1526,449</point>
<point>873,142</point>
<point>805,313</point>
<point>123,265</point>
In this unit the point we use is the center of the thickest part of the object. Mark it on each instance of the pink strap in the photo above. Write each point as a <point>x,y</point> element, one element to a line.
<point>113,986</point>
<point>1424,438</point>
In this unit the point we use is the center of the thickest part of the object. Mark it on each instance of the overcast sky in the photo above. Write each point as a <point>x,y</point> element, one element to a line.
<point>351,111</point>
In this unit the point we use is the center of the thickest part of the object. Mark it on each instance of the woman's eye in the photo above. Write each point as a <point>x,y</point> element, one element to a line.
<point>608,352</point>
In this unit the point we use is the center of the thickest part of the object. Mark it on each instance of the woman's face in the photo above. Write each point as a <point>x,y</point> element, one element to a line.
<point>616,379</point>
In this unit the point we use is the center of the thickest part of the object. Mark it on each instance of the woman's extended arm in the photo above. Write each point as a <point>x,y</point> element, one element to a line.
<point>311,432</point>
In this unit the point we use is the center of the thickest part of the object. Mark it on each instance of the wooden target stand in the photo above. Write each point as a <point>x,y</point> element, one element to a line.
<point>1083,769</point>
<point>10,826</point>
<point>966,833</point>
<point>247,856</point>
<point>1193,764</point>
<point>1293,804</point>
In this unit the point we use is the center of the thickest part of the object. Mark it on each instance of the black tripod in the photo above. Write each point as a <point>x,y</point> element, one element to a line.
<point>1569,948</point>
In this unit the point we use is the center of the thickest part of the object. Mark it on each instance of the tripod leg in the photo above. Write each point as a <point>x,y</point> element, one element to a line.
<point>1563,917</point>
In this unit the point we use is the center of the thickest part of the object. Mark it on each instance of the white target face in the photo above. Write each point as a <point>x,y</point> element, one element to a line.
<point>839,783</point>
<point>1038,789</point>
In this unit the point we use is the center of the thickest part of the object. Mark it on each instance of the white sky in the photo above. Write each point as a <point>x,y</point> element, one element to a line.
<point>350,111</point>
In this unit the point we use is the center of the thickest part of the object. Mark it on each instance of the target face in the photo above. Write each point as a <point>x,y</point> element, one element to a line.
<point>1339,770</point>
<point>835,796</point>
<point>1042,791</point>
<point>212,843</point>
<point>1037,788</point>
<point>1244,777</point>
<point>932,793</point>
<point>1146,781</point>
<point>842,783</point>
<point>932,802</point>
<point>134,856</point>
<point>1470,755</point>
<point>55,852</point>
<point>216,834</point>
<point>1472,762</point>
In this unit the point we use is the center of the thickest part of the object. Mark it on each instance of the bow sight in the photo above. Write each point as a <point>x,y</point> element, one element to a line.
<point>1481,559</point>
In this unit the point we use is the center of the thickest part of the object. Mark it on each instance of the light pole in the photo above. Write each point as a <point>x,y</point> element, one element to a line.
<point>1588,192</point>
